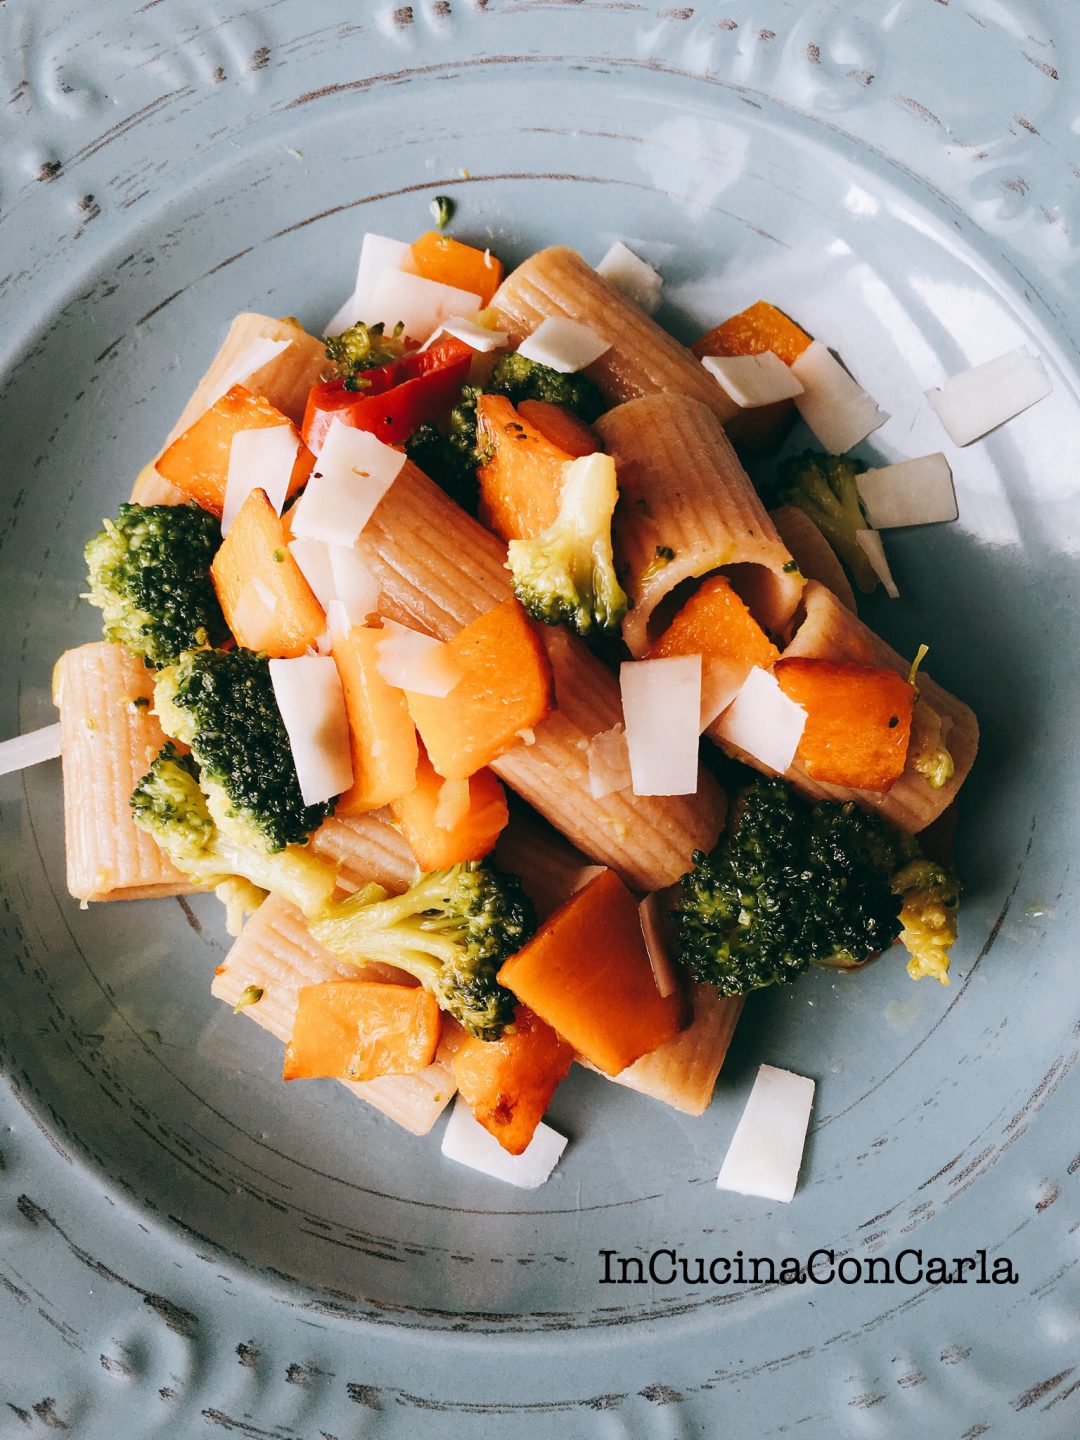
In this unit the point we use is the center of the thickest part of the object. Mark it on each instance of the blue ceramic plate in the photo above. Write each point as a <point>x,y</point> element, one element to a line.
<point>189,1248</point>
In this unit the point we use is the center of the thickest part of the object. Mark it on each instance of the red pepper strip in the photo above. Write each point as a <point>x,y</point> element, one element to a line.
<point>396,398</point>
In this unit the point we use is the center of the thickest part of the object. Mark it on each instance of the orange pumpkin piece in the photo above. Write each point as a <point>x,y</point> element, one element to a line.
<point>561,426</point>
<point>267,603</point>
<point>197,462</point>
<point>382,736</point>
<point>360,1029</point>
<point>506,686</point>
<point>858,721</point>
<point>508,1083</point>
<point>521,481</point>
<point>586,972</point>
<point>716,624</point>
<point>759,328</point>
<point>444,828</point>
<point>439,257</point>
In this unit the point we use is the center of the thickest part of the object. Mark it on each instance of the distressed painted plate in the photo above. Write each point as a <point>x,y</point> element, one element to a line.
<point>186,1247</point>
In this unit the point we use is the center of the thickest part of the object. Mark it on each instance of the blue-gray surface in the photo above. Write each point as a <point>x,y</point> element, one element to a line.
<point>189,1248</point>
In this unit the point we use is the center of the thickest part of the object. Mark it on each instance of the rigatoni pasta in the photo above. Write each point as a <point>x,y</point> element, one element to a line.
<point>812,553</point>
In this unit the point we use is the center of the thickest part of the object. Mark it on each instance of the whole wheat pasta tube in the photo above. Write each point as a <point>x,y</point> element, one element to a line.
<point>548,865</point>
<point>812,553</point>
<point>275,952</point>
<point>365,848</point>
<point>439,569</point>
<point>681,486</point>
<point>108,743</point>
<point>643,358</point>
<point>831,632</point>
<point>682,1072</point>
<point>284,381</point>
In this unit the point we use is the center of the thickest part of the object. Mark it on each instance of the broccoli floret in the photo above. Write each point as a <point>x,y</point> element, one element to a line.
<point>824,486</point>
<point>520,379</point>
<point>566,575</point>
<point>149,573</point>
<point>452,930</point>
<point>451,457</point>
<point>221,703</point>
<point>793,884</point>
<point>188,818</point>
<point>362,347</point>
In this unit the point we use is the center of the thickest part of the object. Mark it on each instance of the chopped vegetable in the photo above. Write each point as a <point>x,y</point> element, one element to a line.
<point>267,602</point>
<point>716,624</point>
<point>381,732</point>
<point>197,462</point>
<point>149,575</point>
<point>508,1083</point>
<point>451,930</point>
<point>858,721</point>
<point>754,330</point>
<point>439,257</point>
<point>766,1151</point>
<point>587,973</point>
<point>506,687</point>
<point>521,476</point>
<point>439,840</point>
<point>442,210</point>
<point>561,427</point>
<point>251,995</point>
<point>826,488</point>
<point>361,348</point>
<point>360,1029</point>
<point>566,574</point>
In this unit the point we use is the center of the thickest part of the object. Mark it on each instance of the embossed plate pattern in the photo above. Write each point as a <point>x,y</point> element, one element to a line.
<point>187,1248</point>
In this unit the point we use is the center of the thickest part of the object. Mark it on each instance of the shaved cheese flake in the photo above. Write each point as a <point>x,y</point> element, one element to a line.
<point>452,805</point>
<point>834,405</point>
<point>633,277</point>
<point>766,1150</point>
<point>914,492</point>
<point>869,542</point>
<point>655,927</point>
<point>353,473</point>
<point>753,380</point>
<point>466,1141</point>
<point>563,345</point>
<point>416,662</point>
<point>420,305</point>
<point>259,460</point>
<point>313,558</point>
<point>308,694</point>
<point>251,359</point>
<point>763,722</point>
<point>609,763</point>
<point>721,681</point>
<point>972,404</point>
<point>22,751</point>
<point>338,622</point>
<point>661,710</point>
<point>479,337</point>
<point>354,584</point>
<point>377,253</point>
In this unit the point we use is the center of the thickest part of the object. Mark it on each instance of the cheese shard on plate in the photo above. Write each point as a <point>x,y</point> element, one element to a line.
<point>754,380</point>
<point>377,253</point>
<point>834,405</point>
<point>662,711</point>
<point>763,722</point>
<point>308,694</point>
<point>633,277</point>
<point>767,1148</point>
<point>912,492</point>
<point>870,543</point>
<point>466,1141</point>
<point>352,474</point>
<point>563,345</point>
<point>972,404</point>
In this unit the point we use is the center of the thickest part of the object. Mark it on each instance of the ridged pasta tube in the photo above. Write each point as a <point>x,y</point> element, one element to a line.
<point>642,359</point>
<point>277,955</point>
<point>109,738</point>
<point>687,508</point>
<point>812,553</point>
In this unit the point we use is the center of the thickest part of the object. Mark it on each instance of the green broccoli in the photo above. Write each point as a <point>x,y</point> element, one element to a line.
<point>566,575</point>
<point>149,574</point>
<point>451,456</point>
<point>362,347</point>
<point>452,930</point>
<point>520,379</point>
<point>824,486</point>
<point>221,703</point>
<point>169,803</point>
<point>793,884</point>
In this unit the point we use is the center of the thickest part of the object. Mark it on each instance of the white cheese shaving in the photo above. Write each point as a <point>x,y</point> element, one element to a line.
<point>313,558</point>
<point>259,460</point>
<point>972,404</point>
<point>766,1150</point>
<point>416,662</point>
<point>419,304</point>
<point>309,696</point>
<point>377,253</point>
<point>251,359</point>
<point>834,405</point>
<point>352,474</point>
<point>763,722</point>
<point>479,337</point>
<point>633,277</point>
<point>753,380</point>
<point>653,925</point>
<point>22,751</point>
<point>914,492</point>
<point>721,681</point>
<point>354,584</point>
<point>466,1141</point>
<point>609,762</point>
<point>563,345</point>
<point>661,710</point>
<point>869,542</point>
